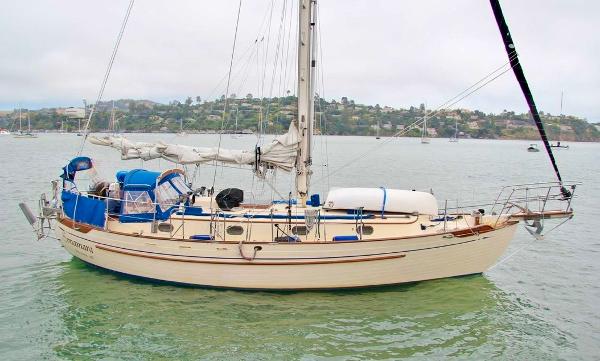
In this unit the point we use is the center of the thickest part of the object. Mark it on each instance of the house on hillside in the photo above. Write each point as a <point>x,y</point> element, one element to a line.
<point>432,132</point>
<point>473,125</point>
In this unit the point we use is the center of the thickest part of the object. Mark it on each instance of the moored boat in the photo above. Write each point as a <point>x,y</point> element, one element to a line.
<point>158,225</point>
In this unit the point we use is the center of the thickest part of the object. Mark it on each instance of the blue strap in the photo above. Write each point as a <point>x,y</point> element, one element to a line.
<point>384,200</point>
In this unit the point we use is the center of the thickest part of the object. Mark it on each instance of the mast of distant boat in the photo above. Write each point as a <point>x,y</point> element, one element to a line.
<point>455,137</point>
<point>112,127</point>
<point>307,17</point>
<point>559,124</point>
<point>237,112</point>
<point>424,138</point>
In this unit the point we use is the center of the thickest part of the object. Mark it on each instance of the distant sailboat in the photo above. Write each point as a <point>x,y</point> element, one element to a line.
<point>454,139</point>
<point>113,123</point>
<point>20,133</point>
<point>236,133</point>
<point>79,133</point>
<point>181,132</point>
<point>424,137</point>
<point>558,145</point>
<point>377,131</point>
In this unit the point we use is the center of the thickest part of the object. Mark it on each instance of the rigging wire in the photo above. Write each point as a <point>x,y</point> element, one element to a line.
<point>275,62</point>
<point>495,74</point>
<point>237,23</point>
<point>106,74</point>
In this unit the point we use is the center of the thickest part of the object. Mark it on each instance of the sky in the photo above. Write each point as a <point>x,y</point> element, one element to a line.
<point>395,53</point>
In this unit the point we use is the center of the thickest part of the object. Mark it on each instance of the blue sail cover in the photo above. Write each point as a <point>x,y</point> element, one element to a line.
<point>84,209</point>
<point>76,165</point>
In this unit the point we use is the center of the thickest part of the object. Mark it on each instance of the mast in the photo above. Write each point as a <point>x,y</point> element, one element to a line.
<point>20,125</point>
<point>424,134</point>
<point>456,129</point>
<point>84,114</point>
<point>304,121</point>
<point>561,116</point>
<point>237,112</point>
<point>111,127</point>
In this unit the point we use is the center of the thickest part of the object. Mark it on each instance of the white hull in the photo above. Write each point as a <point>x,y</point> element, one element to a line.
<point>316,265</point>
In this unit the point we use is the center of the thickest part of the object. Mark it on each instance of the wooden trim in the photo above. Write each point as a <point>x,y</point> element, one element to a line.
<point>252,263</point>
<point>254,206</point>
<point>483,228</point>
<point>541,215</point>
<point>80,227</point>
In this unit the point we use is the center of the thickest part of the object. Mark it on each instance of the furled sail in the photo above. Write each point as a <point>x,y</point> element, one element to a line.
<point>513,57</point>
<point>280,153</point>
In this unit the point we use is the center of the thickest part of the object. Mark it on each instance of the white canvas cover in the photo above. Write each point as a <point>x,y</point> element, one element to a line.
<point>281,153</point>
<point>378,199</point>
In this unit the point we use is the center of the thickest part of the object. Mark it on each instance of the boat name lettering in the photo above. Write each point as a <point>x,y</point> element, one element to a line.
<point>82,247</point>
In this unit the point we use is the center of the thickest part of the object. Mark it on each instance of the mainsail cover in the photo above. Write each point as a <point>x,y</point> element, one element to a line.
<point>280,153</point>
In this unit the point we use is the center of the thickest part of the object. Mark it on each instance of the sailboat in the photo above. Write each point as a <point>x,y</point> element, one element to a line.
<point>113,123</point>
<point>79,133</point>
<point>236,133</point>
<point>424,136</point>
<point>155,225</point>
<point>558,145</point>
<point>377,130</point>
<point>62,126</point>
<point>454,138</point>
<point>24,135</point>
<point>181,132</point>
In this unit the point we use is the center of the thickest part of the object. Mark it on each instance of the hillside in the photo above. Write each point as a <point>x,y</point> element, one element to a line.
<point>343,117</point>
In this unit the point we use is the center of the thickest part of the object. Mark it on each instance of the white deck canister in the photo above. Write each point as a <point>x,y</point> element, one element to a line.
<point>382,199</point>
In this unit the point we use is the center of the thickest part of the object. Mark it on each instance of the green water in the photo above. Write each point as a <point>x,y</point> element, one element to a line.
<point>93,314</point>
<point>542,304</point>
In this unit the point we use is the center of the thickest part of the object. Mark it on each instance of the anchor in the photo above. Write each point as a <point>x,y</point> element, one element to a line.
<point>537,232</point>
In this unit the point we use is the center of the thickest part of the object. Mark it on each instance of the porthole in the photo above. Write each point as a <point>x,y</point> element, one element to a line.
<point>165,227</point>
<point>366,230</point>
<point>235,230</point>
<point>299,230</point>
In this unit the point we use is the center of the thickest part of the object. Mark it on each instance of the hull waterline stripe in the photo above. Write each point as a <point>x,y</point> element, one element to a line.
<point>324,261</point>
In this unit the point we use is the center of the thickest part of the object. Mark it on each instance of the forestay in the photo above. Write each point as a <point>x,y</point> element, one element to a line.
<point>280,153</point>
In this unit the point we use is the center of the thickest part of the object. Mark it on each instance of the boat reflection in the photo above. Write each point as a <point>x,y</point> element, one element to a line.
<point>106,315</point>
